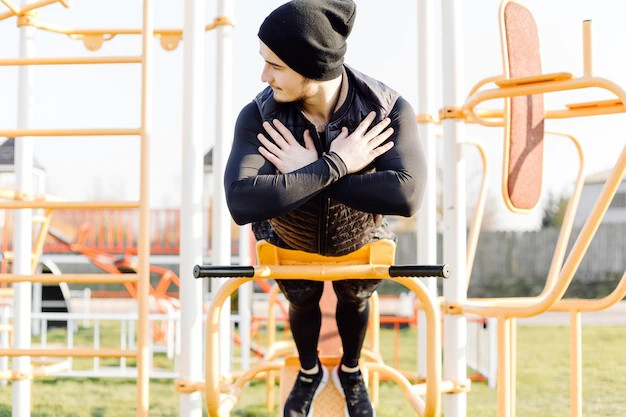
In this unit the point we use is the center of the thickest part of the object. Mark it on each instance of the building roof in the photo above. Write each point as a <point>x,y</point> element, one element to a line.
<point>599,177</point>
<point>7,154</point>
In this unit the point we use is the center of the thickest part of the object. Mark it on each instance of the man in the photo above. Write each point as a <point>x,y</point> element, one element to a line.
<point>318,158</point>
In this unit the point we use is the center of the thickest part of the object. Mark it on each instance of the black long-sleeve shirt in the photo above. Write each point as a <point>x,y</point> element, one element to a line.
<point>256,191</point>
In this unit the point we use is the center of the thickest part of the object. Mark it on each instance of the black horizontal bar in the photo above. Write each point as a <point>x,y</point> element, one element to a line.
<point>440,271</point>
<point>210,271</point>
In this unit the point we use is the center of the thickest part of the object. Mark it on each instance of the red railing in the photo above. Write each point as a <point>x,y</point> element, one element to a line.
<point>113,231</point>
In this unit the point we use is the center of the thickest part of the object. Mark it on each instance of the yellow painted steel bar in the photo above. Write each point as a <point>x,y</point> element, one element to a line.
<point>575,307</point>
<point>446,386</point>
<point>568,218</point>
<point>576,364</point>
<point>322,272</point>
<point>407,389</point>
<point>189,386</point>
<point>430,305</point>
<point>71,278</point>
<point>587,49</point>
<point>43,204</point>
<point>247,376</point>
<point>41,238</point>
<point>474,230</point>
<point>280,349</point>
<point>74,353</point>
<point>6,62</point>
<point>12,7</point>
<point>616,108</point>
<point>15,133</point>
<point>593,304</point>
<point>270,381</point>
<point>493,117</point>
<point>504,366</point>
<point>77,33</point>
<point>212,353</point>
<point>215,407</point>
<point>143,244</point>
<point>538,87</point>
<point>6,292</point>
<point>14,10</point>
<point>513,360</point>
<point>374,332</point>
<point>36,373</point>
<point>530,306</point>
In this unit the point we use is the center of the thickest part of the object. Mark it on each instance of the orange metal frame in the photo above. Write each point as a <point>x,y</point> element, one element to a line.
<point>371,261</point>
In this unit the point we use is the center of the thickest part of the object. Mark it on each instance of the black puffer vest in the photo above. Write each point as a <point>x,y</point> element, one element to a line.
<point>323,225</point>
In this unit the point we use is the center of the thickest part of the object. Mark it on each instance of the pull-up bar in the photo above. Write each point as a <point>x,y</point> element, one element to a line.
<point>321,270</point>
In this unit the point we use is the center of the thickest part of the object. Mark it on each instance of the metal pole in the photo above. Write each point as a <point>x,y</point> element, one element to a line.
<point>22,234</point>
<point>143,343</point>
<point>192,204</point>
<point>427,215</point>
<point>454,244</point>
<point>221,237</point>
<point>245,299</point>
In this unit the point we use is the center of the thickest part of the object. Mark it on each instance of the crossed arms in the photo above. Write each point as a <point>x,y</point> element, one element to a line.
<point>255,191</point>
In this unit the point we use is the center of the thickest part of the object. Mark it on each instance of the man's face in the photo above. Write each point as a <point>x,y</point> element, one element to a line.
<point>288,85</point>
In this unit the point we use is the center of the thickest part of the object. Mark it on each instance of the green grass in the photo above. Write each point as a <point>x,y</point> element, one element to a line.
<point>542,383</point>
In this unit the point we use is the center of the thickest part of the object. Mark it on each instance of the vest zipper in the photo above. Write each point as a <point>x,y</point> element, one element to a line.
<point>322,243</point>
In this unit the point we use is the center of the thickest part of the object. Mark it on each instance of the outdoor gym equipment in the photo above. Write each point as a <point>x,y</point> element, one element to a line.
<point>373,261</point>
<point>522,86</point>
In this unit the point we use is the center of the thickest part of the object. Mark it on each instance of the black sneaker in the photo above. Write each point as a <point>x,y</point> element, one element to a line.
<point>352,387</point>
<point>300,400</point>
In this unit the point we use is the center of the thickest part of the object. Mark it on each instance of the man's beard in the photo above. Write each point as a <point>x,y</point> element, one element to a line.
<point>300,98</point>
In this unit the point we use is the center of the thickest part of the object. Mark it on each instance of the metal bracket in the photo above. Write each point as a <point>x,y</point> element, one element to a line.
<point>452,309</point>
<point>170,41</point>
<point>451,113</point>
<point>27,18</point>
<point>425,118</point>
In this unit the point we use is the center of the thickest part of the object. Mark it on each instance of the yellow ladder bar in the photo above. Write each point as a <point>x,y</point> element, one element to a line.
<point>70,132</point>
<point>6,62</point>
<point>72,278</point>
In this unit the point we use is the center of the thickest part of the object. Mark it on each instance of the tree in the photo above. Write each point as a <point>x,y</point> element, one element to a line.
<point>554,211</point>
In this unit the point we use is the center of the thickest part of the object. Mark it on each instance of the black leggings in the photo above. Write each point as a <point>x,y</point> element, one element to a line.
<point>305,316</point>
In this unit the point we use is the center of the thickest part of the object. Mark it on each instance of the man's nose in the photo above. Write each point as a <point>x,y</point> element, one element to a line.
<point>265,75</point>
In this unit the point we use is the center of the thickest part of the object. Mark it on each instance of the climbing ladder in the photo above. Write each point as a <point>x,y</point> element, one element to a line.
<point>26,17</point>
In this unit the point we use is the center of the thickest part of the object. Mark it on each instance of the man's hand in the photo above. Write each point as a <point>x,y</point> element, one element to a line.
<point>361,147</point>
<point>285,152</point>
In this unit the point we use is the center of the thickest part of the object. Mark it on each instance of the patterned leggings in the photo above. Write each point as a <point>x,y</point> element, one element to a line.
<point>305,316</point>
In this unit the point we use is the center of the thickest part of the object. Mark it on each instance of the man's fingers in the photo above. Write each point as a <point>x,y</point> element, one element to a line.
<point>269,145</point>
<point>381,138</point>
<point>381,149</point>
<point>308,140</point>
<point>380,126</point>
<point>273,133</point>
<point>343,134</point>
<point>268,155</point>
<point>362,127</point>
<point>286,134</point>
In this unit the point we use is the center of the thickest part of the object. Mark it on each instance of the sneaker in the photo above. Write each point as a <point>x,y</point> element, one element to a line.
<point>300,400</point>
<point>352,387</point>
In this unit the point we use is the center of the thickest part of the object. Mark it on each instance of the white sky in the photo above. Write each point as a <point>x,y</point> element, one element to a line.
<point>383,44</point>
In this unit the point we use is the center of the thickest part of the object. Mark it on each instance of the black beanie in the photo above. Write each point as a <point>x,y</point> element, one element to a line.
<point>310,35</point>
